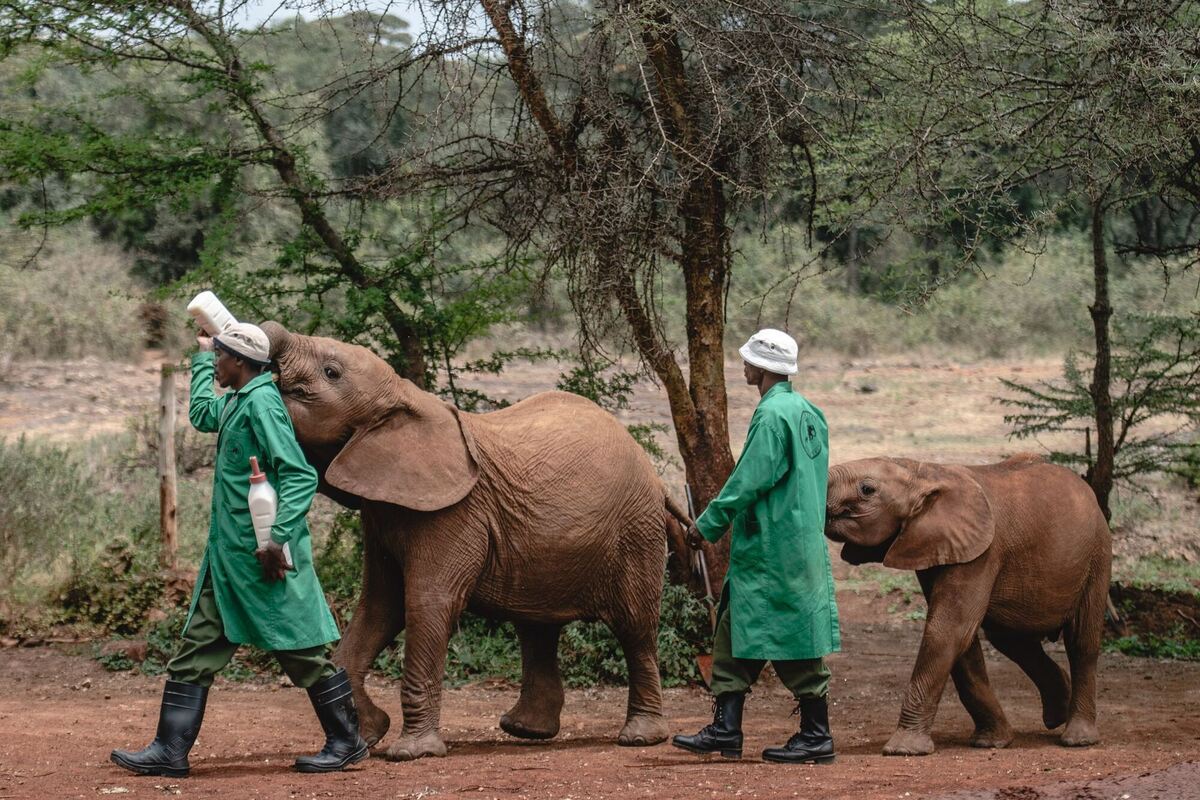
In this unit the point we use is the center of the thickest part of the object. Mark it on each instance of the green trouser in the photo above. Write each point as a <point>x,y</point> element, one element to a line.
<point>205,651</point>
<point>806,678</point>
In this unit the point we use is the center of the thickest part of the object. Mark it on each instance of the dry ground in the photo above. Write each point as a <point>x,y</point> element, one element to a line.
<point>60,714</point>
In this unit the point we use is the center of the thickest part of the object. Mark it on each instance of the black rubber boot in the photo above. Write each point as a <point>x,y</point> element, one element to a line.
<point>179,721</point>
<point>813,744</point>
<point>724,735</point>
<point>334,704</point>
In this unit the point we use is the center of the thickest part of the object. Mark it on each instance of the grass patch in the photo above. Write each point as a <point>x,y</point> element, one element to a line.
<point>884,582</point>
<point>1157,572</point>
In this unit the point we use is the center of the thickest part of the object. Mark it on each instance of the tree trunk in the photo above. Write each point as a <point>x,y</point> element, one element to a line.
<point>1100,474</point>
<point>698,404</point>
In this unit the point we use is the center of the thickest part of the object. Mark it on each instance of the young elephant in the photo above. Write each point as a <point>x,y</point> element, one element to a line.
<point>1019,548</point>
<point>541,513</point>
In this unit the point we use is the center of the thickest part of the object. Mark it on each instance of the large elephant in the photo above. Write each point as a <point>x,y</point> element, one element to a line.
<point>541,513</point>
<point>1019,548</point>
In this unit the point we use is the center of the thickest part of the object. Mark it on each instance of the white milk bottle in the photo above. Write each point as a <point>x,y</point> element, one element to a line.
<point>263,504</point>
<point>210,312</point>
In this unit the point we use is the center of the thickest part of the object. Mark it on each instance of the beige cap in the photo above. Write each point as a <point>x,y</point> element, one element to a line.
<point>246,341</point>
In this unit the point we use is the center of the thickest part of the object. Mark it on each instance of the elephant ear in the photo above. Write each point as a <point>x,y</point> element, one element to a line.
<point>951,521</point>
<point>420,456</point>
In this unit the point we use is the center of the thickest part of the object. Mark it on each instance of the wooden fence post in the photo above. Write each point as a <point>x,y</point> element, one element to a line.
<point>167,494</point>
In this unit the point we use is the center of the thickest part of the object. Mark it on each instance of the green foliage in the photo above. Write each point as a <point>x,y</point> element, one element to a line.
<point>74,300</point>
<point>339,563</point>
<point>588,652</point>
<point>117,591</point>
<point>1159,573</point>
<point>1156,365</point>
<point>1152,646</point>
<point>79,528</point>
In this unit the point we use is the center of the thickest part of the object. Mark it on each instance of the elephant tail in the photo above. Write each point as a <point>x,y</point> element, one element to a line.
<point>675,511</point>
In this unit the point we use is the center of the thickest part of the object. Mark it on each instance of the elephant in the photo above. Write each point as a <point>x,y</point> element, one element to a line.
<point>1019,549</point>
<point>540,513</point>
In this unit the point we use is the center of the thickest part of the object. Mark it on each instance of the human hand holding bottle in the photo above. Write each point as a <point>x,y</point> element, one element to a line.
<point>273,561</point>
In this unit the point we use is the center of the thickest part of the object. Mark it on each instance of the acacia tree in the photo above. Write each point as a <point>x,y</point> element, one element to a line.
<point>1007,118</point>
<point>222,133</point>
<point>619,141</point>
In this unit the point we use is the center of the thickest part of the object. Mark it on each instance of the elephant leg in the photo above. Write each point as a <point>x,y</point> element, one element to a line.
<point>644,721</point>
<point>956,609</point>
<point>1026,652</point>
<point>536,714</point>
<point>378,619</point>
<point>971,680</point>
<point>1082,637</point>
<point>432,612</point>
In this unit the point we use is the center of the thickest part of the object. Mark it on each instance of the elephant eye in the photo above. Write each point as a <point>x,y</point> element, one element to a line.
<point>332,373</point>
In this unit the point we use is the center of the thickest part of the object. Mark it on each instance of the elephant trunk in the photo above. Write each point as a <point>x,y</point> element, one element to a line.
<point>278,336</point>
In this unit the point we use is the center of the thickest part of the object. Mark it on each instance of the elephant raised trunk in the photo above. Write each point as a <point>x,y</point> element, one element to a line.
<point>278,336</point>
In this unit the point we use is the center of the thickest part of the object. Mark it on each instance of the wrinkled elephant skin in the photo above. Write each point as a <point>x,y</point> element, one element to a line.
<point>1018,549</point>
<point>541,513</point>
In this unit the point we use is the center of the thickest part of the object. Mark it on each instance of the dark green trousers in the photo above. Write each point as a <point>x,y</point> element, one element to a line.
<point>205,651</point>
<point>806,678</point>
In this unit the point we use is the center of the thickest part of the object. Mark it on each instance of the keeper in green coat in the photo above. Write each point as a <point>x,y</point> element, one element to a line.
<point>778,601</point>
<point>246,594</point>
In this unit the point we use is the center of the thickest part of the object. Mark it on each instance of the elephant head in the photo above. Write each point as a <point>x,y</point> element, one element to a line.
<point>389,440</point>
<point>907,514</point>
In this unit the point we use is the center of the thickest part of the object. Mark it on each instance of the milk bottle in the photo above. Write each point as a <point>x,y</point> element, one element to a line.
<point>211,313</point>
<point>263,505</point>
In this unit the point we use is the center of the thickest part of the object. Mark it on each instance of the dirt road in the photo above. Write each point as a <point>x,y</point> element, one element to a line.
<point>60,714</point>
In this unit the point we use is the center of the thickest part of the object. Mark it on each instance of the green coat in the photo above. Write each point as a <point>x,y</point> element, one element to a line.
<point>290,614</point>
<point>779,584</point>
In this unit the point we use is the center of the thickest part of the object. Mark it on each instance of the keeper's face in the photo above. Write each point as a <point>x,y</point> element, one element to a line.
<point>228,367</point>
<point>754,375</point>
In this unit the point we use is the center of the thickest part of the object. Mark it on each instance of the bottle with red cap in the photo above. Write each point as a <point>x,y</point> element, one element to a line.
<point>264,504</point>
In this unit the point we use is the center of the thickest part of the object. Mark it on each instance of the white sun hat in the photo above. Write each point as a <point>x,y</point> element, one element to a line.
<point>247,341</point>
<point>771,350</point>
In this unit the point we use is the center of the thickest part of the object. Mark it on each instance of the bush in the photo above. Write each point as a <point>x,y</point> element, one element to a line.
<point>119,589</point>
<point>1019,303</point>
<point>79,529</point>
<point>76,299</point>
<point>588,652</point>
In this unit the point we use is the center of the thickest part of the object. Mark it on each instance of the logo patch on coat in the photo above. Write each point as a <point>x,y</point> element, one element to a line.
<point>810,438</point>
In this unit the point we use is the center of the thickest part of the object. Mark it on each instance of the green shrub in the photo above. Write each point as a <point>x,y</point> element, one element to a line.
<point>118,590</point>
<point>75,299</point>
<point>79,528</point>
<point>1016,303</point>
<point>1149,645</point>
<point>588,652</point>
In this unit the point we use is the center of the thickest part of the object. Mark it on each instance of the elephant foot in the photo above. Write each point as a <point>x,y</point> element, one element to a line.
<point>524,723</point>
<point>1054,713</point>
<point>908,743</point>
<point>997,737</point>
<point>373,723</point>
<point>643,730</point>
<point>1080,733</point>
<point>410,747</point>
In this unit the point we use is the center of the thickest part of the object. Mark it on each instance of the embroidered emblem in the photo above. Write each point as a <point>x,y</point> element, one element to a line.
<point>810,438</point>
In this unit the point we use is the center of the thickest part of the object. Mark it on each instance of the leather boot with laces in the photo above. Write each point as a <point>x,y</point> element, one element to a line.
<point>814,743</point>
<point>179,720</point>
<point>724,734</point>
<point>334,704</point>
